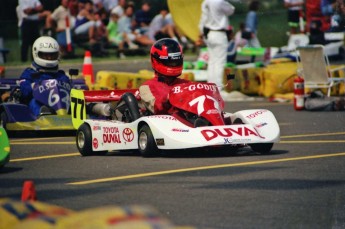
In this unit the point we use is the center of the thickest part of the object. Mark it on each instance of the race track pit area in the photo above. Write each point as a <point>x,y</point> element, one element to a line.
<point>300,184</point>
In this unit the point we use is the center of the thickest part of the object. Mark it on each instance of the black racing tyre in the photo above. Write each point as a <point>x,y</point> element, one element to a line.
<point>261,147</point>
<point>84,140</point>
<point>146,143</point>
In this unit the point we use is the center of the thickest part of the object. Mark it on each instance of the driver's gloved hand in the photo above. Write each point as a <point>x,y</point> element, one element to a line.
<point>167,105</point>
<point>17,94</point>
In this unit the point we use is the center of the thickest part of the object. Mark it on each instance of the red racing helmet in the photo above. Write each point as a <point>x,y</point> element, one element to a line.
<point>167,57</point>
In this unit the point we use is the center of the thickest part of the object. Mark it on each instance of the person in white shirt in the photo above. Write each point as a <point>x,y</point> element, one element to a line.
<point>120,8</point>
<point>213,27</point>
<point>58,18</point>
<point>32,12</point>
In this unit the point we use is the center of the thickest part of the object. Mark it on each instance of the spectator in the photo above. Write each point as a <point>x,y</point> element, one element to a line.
<point>59,17</point>
<point>114,37</point>
<point>143,17</point>
<point>33,13</point>
<point>120,8</point>
<point>125,24</point>
<point>73,6</point>
<point>252,24</point>
<point>87,22</point>
<point>338,17</point>
<point>295,11</point>
<point>241,37</point>
<point>328,7</point>
<point>162,26</point>
<point>45,63</point>
<point>213,26</point>
<point>107,5</point>
<point>169,20</point>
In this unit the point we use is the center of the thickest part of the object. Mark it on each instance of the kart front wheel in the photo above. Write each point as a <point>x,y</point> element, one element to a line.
<point>84,140</point>
<point>261,147</point>
<point>3,120</point>
<point>146,142</point>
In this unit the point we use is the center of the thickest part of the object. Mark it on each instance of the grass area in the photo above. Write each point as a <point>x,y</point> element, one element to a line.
<point>271,32</point>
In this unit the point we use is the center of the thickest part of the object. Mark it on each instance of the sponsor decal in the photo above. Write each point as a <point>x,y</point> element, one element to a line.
<point>228,132</point>
<point>95,128</point>
<point>110,130</point>
<point>261,124</point>
<point>162,117</point>
<point>179,130</point>
<point>256,114</point>
<point>160,142</point>
<point>212,111</point>
<point>95,143</point>
<point>111,135</point>
<point>128,134</point>
<point>235,141</point>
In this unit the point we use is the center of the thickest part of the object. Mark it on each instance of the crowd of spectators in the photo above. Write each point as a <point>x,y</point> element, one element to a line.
<point>121,24</point>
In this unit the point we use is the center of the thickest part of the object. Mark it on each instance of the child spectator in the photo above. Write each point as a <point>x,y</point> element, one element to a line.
<point>114,37</point>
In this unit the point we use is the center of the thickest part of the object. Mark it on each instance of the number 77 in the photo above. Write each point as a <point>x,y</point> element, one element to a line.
<point>74,102</point>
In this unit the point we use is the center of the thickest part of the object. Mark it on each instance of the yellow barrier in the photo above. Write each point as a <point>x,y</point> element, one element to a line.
<point>107,80</point>
<point>277,78</point>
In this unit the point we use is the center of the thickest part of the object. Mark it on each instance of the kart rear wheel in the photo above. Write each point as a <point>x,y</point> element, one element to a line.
<point>84,141</point>
<point>146,143</point>
<point>261,147</point>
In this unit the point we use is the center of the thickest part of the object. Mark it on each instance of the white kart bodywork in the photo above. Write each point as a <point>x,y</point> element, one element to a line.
<point>259,126</point>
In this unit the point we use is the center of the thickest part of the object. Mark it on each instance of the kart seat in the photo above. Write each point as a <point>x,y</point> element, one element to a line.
<point>129,107</point>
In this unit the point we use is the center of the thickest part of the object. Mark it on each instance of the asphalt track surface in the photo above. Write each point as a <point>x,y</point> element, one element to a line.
<point>300,184</point>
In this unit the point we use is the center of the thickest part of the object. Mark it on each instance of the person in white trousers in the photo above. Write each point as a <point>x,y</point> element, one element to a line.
<point>213,27</point>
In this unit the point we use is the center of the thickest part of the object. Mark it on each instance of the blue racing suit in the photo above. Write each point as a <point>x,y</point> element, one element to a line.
<point>29,76</point>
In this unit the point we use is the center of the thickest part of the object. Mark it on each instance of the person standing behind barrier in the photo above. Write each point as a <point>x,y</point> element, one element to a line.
<point>59,17</point>
<point>252,24</point>
<point>295,8</point>
<point>32,12</point>
<point>213,26</point>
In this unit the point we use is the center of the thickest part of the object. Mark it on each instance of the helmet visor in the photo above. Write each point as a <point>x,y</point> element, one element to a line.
<point>175,61</point>
<point>48,55</point>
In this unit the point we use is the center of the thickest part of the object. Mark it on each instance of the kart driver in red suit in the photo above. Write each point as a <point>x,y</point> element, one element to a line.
<point>167,63</point>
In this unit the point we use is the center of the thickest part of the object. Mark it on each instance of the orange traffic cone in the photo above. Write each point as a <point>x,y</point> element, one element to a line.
<point>29,192</point>
<point>87,68</point>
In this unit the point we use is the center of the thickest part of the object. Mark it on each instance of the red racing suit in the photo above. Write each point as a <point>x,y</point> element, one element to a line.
<point>154,95</point>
